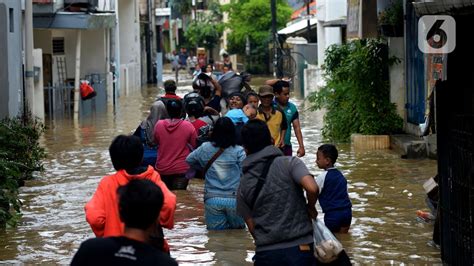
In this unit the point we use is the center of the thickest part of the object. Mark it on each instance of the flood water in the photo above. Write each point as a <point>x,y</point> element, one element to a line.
<point>385,191</point>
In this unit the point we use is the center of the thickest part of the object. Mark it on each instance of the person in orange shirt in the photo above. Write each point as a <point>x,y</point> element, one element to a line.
<point>102,214</point>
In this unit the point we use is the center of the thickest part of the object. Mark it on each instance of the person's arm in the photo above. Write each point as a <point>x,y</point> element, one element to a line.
<point>302,176</point>
<point>281,142</point>
<point>250,225</point>
<point>271,82</point>
<point>244,211</point>
<point>193,137</point>
<point>193,159</point>
<point>312,193</point>
<point>299,136</point>
<point>217,87</point>
<point>247,87</point>
<point>166,217</point>
<point>284,127</point>
<point>95,211</point>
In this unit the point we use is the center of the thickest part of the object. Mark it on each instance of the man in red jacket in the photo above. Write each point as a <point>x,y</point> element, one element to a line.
<point>102,211</point>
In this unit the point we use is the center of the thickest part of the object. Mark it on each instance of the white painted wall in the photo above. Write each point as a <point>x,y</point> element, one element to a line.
<point>321,43</point>
<point>335,9</point>
<point>397,75</point>
<point>129,42</point>
<point>93,52</point>
<point>39,92</point>
<point>11,73</point>
<point>328,10</point>
<point>333,36</point>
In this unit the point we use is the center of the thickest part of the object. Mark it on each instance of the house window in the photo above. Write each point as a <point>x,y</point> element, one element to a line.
<point>58,46</point>
<point>12,25</point>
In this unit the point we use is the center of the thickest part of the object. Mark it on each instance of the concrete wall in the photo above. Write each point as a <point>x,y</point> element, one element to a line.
<point>313,79</point>
<point>129,42</point>
<point>328,10</point>
<point>43,40</point>
<point>4,69</point>
<point>93,51</point>
<point>38,82</point>
<point>11,54</point>
<point>397,75</point>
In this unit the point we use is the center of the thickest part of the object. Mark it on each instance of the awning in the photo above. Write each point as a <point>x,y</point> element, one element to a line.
<point>425,7</point>
<point>298,26</point>
<point>74,20</point>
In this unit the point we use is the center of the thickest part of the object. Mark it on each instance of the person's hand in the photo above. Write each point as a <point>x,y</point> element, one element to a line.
<point>312,212</point>
<point>301,152</point>
<point>281,144</point>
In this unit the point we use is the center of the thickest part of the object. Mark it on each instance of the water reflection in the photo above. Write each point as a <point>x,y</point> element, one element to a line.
<point>385,191</point>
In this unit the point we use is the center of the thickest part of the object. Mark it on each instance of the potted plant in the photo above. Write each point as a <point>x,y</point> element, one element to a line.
<point>391,20</point>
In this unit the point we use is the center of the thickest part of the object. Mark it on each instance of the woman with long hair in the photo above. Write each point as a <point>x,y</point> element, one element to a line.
<point>222,158</point>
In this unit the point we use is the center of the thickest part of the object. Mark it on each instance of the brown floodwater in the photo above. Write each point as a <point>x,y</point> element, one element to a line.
<point>385,191</point>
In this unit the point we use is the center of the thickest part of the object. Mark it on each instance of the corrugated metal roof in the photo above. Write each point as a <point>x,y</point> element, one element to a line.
<point>425,7</point>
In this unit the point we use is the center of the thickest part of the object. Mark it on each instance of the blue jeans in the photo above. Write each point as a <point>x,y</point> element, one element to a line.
<point>221,214</point>
<point>298,256</point>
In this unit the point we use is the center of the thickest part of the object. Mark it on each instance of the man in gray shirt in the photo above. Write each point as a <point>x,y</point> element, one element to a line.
<point>271,199</point>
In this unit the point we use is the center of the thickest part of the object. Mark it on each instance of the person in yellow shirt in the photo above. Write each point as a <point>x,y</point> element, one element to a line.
<point>271,115</point>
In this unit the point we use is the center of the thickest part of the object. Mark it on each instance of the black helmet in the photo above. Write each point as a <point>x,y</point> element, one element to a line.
<point>194,104</point>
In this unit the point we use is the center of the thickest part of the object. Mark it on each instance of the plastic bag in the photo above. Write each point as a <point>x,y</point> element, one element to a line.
<point>326,246</point>
<point>87,92</point>
<point>424,127</point>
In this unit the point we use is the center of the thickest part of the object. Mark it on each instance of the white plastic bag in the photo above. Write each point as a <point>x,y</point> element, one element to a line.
<point>326,245</point>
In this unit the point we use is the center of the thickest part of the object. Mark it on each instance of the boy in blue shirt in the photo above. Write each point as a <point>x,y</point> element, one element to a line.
<point>333,195</point>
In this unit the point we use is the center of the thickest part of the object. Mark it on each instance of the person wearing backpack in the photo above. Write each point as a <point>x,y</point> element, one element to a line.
<point>157,112</point>
<point>271,199</point>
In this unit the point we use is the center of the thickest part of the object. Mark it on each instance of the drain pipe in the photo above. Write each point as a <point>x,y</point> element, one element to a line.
<point>77,75</point>
<point>29,73</point>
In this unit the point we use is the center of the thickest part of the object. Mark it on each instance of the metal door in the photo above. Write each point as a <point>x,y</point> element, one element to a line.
<point>415,70</point>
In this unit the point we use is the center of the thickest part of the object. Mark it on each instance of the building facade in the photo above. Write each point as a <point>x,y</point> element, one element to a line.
<point>11,93</point>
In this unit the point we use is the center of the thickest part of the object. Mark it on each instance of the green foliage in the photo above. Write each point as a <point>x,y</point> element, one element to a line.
<point>357,94</point>
<point>204,33</point>
<point>392,15</point>
<point>207,30</point>
<point>20,156</point>
<point>252,19</point>
<point>182,7</point>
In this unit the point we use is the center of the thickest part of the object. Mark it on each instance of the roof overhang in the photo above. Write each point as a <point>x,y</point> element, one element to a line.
<point>342,22</point>
<point>74,20</point>
<point>298,27</point>
<point>425,7</point>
